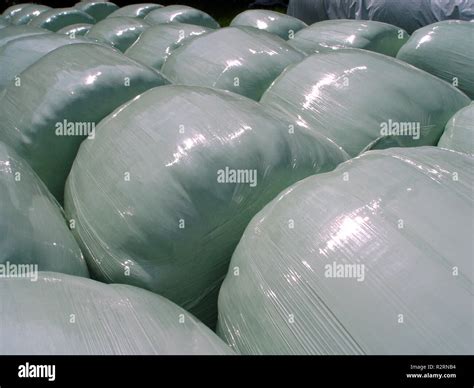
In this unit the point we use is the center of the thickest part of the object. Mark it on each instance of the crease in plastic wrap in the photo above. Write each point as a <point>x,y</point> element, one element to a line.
<point>75,30</point>
<point>61,98</point>
<point>99,10</point>
<point>181,14</point>
<point>459,132</point>
<point>26,14</point>
<point>284,26</point>
<point>335,34</point>
<point>242,60</point>
<point>372,258</point>
<point>68,315</point>
<point>135,10</point>
<point>157,43</point>
<point>446,50</point>
<point>57,18</point>
<point>10,33</point>
<point>119,32</point>
<point>364,100</point>
<point>407,14</point>
<point>33,231</point>
<point>163,193</point>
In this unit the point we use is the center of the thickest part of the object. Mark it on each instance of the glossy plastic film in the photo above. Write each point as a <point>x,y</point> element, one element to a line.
<point>57,18</point>
<point>135,10</point>
<point>34,233</point>
<point>67,315</point>
<point>166,211</point>
<point>28,13</point>
<point>10,33</point>
<point>61,98</point>
<point>335,34</point>
<point>13,10</point>
<point>97,9</point>
<point>363,100</point>
<point>181,14</point>
<point>446,50</point>
<point>74,30</point>
<point>459,132</point>
<point>4,23</point>
<point>242,60</point>
<point>366,259</point>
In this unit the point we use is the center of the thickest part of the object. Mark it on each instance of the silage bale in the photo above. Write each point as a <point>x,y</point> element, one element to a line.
<point>242,60</point>
<point>335,34</point>
<point>57,18</point>
<point>67,315</point>
<point>10,33</point>
<point>157,43</point>
<point>118,32</point>
<point>181,14</point>
<point>161,196</point>
<point>363,100</point>
<point>357,261</point>
<point>26,14</point>
<point>446,50</point>
<point>79,29</point>
<point>284,26</point>
<point>32,226</point>
<point>459,132</point>
<point>59,100</point>
<point>135,10</point>
<point>11,11</point>
<point>4,23</point>
<point>99,10</point>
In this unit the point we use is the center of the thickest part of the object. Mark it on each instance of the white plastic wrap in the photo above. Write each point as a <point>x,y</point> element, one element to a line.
<point>10,33</point>
<point>181,14</point>
<point>459,132</point>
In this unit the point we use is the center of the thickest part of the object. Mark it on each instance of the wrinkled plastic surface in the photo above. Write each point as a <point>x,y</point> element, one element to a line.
<point>97,9</point>
<point>407,14</point>
<point>74,30</point>
<point>242,60</point>
<point>135,10</point>
<point>28,13</point>
<point>292,296</point>
<point>158,42</point>
<point>181,14</point>
<point>108,319</point>
<point>13,10</point>
<point>361,99</point>
<point>459,132</point>
<point>157,205</point>
<point>446,50</point>
<point>335,34</point>
<point>72,87</point>
<point>57,18</point>
<point>10,33</point>
<point>119,32</point>
<point>284,26</point>
<point>32,226</point>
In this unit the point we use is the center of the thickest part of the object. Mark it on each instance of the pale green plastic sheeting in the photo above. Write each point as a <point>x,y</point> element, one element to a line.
<point>79,29</point>
<point>153,196</point>
<point>4,23</point>
<point>459,132</point>
<point>357,262</point>
<point>28,13</point>
<point>445,49</point>
<point>361,99</point>
<point>68,315</point>
<point>242,60</point>
<point>119,32</point>
<point>15,32</point>
<point>181,14</point>
<point>158,42</point>
<point>11,11</point>
<point>335,34</point>
<point>135,10</point>
<point>57,18</point>
<point>61,97</point>
<point>284,26</point>
<point>97,9</point>
<point>32,226</point>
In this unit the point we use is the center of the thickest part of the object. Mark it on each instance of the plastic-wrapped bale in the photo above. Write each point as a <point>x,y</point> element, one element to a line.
<point>135,10</point>
<point>459,132</point>
<point>74,30</point>
<point>181,14</point>
<point>25,15</point>
<point>360,244</point>
<point>407,14</point>
<point>61,98</point>
<point>97,9</point>
<point>19,54</point>
<point>4,23</point>
<point>68,315</point>
<point>335,34</point>
<point>239,59</point>
<point>180,172</point>
<point>446,50</point>
<point>34,233</point>
<point>11,11</point>
<point>119,32</point>
<point>284,26</point>
<point>15,32</point>
<point>158,42</point>
<point>57,18</point>
<point>364,100</point>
